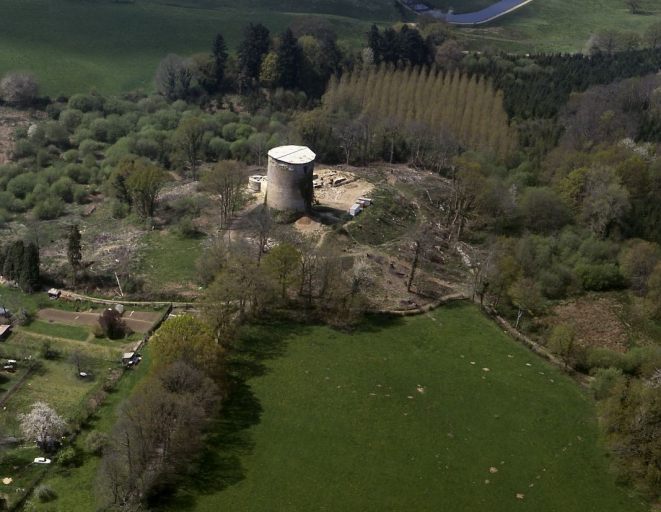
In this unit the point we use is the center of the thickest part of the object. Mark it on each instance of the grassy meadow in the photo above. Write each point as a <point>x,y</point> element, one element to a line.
<point>562,25</point>
<point>438,412</point>
<point>75,46</point>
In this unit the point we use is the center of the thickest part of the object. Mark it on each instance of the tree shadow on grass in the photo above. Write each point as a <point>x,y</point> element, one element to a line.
<point>230,438</point>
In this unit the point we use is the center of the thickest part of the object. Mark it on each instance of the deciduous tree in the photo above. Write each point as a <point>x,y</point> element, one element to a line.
<point>189,137</point>
<point>227,180</point>
<point>43,426</point>
<point>144,184</point>
<point>19,89</point>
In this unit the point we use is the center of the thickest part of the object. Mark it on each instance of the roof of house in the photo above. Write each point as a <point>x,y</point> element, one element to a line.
<point>4,329</point>
<point>292,154</point>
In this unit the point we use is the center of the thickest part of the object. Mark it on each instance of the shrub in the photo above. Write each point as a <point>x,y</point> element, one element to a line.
<point>186,228</point>
<point>70,119</point>
<point>599,277</point>
<point>240,149</point>
<point>229,131</point>
<point>22,185</point>
<point>63,188</point>
<point>604,358</point>
<point>68,457</point>
<point>47,351</point>
<point>86,102</point>
<point>50,208</point>
<point>219,148</point>
<point>44,493</point>
<point>119,210</point>
<point>95,442</point>
<point>604,381</point>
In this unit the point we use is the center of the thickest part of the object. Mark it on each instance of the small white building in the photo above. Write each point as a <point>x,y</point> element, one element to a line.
<point>355,209</point>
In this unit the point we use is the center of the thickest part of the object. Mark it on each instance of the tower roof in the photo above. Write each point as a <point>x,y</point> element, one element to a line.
<point>292,154</point>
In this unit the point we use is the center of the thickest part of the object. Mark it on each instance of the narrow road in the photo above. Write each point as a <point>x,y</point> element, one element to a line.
<point>95,300</point>
<point>491,13</point>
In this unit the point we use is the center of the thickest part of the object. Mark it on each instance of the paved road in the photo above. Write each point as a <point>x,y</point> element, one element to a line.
<point>494,11</point>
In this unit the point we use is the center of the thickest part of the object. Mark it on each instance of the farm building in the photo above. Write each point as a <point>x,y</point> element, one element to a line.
<point>290,179</point>
<point>5,330</point>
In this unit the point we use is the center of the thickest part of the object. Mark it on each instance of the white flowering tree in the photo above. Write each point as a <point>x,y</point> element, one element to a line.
<point>42,425</point>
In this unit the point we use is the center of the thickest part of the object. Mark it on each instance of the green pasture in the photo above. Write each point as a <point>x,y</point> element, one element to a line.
<point>167,260</point>
<point>439,412</point>
<point>75,46</point>
<point>562,25</point>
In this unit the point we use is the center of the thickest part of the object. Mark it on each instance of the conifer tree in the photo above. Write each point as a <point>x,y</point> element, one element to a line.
<point>252,50</point>
<point>219,54</point>
<point>74,250</point>
<point>289,61</point>
<point>28,279</point>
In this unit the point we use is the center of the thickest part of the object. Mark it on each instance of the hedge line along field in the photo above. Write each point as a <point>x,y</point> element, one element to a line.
<point>437,412</point>
<point>112,47</point>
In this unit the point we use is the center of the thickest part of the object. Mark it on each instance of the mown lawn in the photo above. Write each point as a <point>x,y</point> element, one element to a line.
<point>438,412</point>
<point>75,46</point>
<point>71,332</point>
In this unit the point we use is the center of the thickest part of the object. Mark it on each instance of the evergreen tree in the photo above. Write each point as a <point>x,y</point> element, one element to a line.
<point>11,268</point>
<point>219,54</point>
<point>252,50</point>
<point>412,47</point>
<point>375,43</point>
<point>74,250</point>
<point>390,46</point>
<point>289,61</point>
<point>28,279</point>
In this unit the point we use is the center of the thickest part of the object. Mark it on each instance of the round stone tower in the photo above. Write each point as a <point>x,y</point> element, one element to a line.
<point>290,179</point>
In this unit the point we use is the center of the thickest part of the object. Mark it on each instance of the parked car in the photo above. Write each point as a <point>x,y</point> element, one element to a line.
<point>41,460</point>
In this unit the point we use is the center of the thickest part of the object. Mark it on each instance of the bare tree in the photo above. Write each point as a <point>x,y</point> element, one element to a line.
<point>173,77</point>
<point>262,226</point>
<point>158,433</point>
<point>19,89</point>
<point>227,180</point>
<point>189,138</point>
<point>258,143</point>
<point>634,6</point>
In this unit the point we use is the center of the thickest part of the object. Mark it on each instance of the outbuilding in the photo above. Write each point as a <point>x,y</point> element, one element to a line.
<point>5,330</point>
<point>54,293</point>
<point>355,209</point>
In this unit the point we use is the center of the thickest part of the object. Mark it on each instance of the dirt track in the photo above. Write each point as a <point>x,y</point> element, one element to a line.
<point>138,321</point>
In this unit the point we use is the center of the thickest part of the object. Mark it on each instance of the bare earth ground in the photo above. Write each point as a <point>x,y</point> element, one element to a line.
<point>597,322</point>
<point>344,196</point>
<point>138,321</point>
<point>10,119</point>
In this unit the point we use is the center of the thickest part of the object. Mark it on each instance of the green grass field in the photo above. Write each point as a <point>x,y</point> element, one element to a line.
<point>562,25</point>
<point>75,46</point>
<point>403,415</point>
<point>71,332</point>
<point>168,261</point>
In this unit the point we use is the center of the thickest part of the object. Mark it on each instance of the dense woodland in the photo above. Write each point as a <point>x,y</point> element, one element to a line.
<point>551,160</point>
